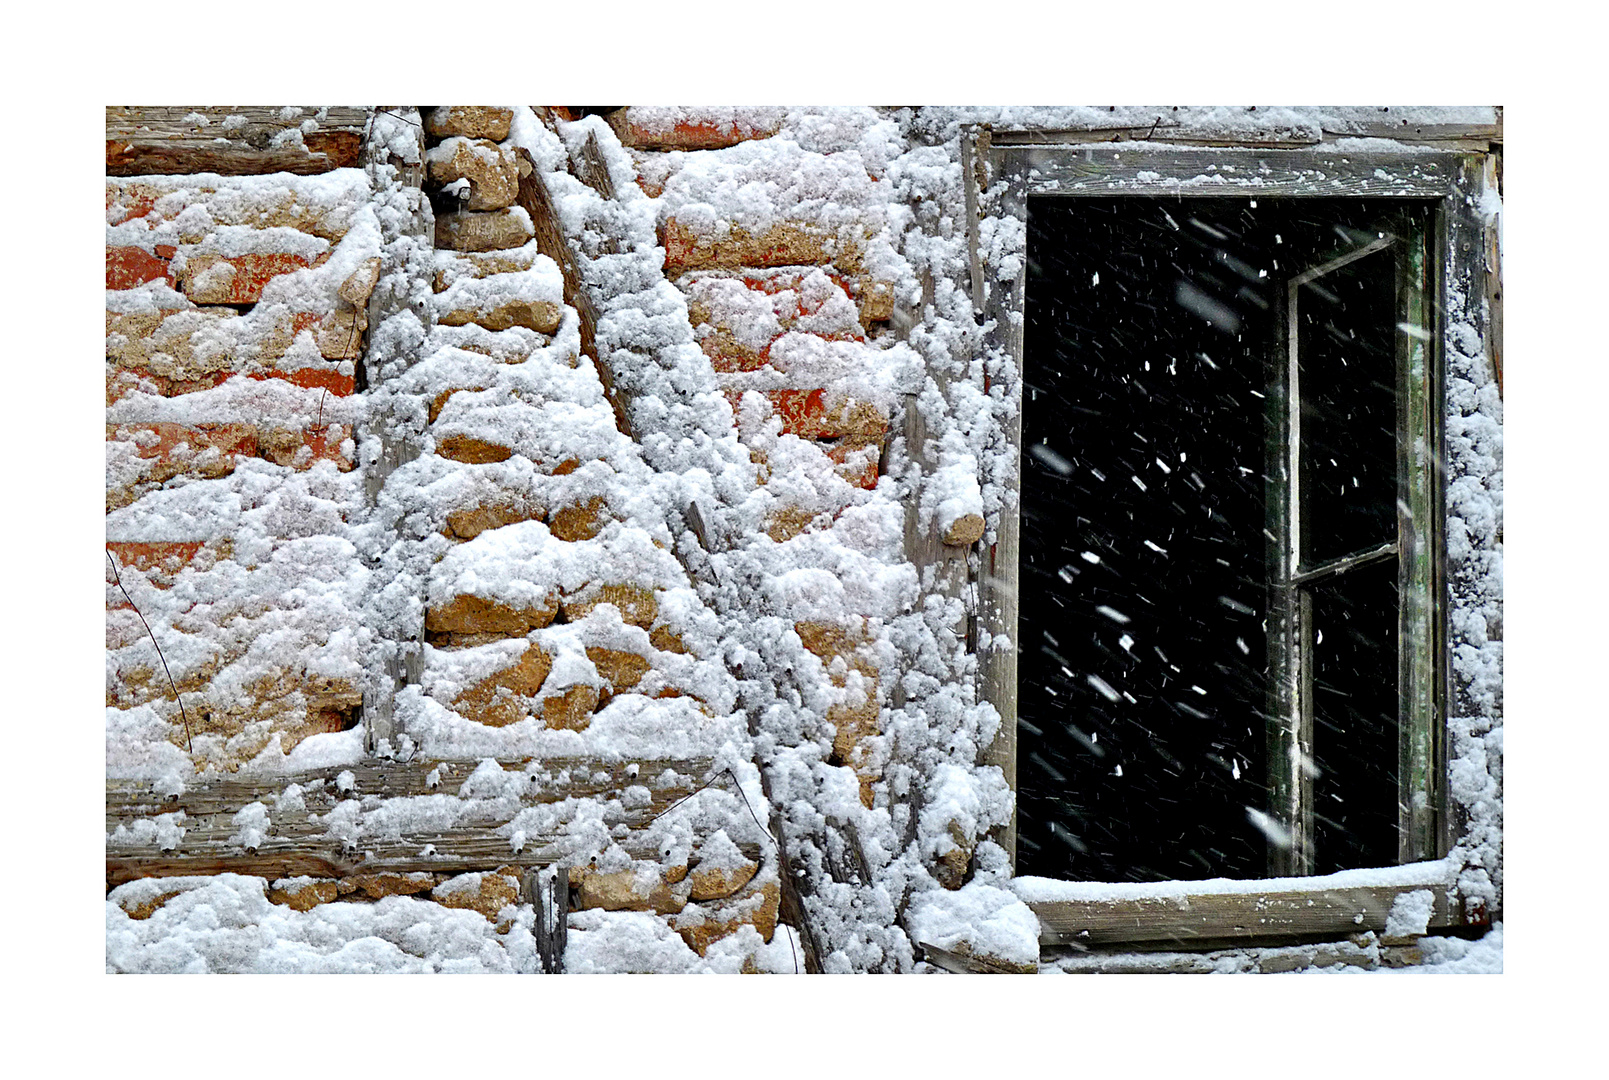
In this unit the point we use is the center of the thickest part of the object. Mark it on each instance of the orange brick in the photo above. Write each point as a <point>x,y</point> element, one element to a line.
<point>689,135</point>
<point>863,472</point>
<point>805,413</point>
<point>164,558</point>
<point>313,379</point>
<point>251,273</point>
<point>131,267</point>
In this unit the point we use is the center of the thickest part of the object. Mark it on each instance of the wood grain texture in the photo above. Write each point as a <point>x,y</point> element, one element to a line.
<point>1073,170</point>
<point>998,577</point>
<point>230,140</point>
<point>550,241</point>
<point>1218,917</point>
<point>301,840</point>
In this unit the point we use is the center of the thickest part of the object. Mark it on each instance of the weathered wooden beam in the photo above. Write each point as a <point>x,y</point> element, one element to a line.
<point>1173,135</point>
<point>592,170</point>
<point>457,852</point>
<point>999,572</point>
<point>300,841</point>
<point>958,964</point>
<point>534,198</point>
<point>397,292</point>
<point>231,140</point>
<point>559,779</point>
<point>1218,917</point>
<point>549,892</point>
<point>1073,171</point>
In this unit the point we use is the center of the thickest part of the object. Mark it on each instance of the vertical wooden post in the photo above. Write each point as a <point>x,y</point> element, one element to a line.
<point>998,572</point>
<point>548,890</point>
<point>393,295</point>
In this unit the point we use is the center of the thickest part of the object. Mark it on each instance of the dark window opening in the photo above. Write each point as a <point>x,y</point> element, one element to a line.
<point>1172,540</point>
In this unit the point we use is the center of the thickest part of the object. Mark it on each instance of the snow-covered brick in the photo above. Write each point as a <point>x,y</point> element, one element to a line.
<point>705,127</point>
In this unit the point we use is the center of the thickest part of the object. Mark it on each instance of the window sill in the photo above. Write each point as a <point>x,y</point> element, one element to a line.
<point>1196,913</point>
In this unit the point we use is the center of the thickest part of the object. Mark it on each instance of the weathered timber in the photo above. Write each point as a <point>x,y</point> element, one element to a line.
<point>592,170</point>
<point>1358,951</point>
<point>297,842</point>
<point>998,573</point>
<point>398,292</point>
<point>1217,917</point>
<point>534,198</point>
<point>549,892</point>
<point>957,964</point>
<point>969,188</point>
<point>231,140</point>
<point>1174,135</point>
<point>1073,170</point>
<point>556,780</point>
<point>457,852</point>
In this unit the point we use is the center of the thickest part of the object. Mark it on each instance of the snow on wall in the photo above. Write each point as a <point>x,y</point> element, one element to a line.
<point>775,290</point>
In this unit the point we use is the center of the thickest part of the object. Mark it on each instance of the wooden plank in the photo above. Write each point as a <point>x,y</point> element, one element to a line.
<point>231,140</point>
<point>559,779</point>
<point>957,964</point>
<point>1220,173</point>
<point>592,170</point>
<point>1218,917</point>
<point>397,292</point>
<point>969,188</point>
<point>998,574</point>
<point>1170,134</point>
<point>549,892</point>
<point>534,197</point>
<point>457,852</point>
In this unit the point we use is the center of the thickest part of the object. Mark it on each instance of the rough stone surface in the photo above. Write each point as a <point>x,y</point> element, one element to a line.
<point>494,230</point>
<point>716,883</point>
<point>217,279</point>
<point>539,315</point>
<point>470,121</point>
<point>951,867</point>
<point>503,698</point>
<point>471,451</point>
<point>468,614</point>
<point>622,670</point>
<point>144,909</point>
<point>470,522</point>
<point>965,531</point>
<point>638,606</point>
<point>379,886</point>
<point>302,895</point>
<point>703,134</point>
<point>784,244</point>
<point>758,909</point>
<point>571,710</point>
<point>493,175</point>
<point>578,521</point>
<point>487,893</point>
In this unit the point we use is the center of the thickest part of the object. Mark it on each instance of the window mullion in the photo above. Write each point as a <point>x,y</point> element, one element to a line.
<point>1290,717</point>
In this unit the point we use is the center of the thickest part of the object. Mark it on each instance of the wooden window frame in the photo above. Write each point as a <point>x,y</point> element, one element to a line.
<point>1457,243</point>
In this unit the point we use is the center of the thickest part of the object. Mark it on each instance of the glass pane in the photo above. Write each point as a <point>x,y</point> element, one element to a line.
<point>1355,709</point>
<point>1346,328</point>
<point>1141,690</point>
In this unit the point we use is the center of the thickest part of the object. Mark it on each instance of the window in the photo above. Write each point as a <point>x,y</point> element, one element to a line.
<point>1226,584</point>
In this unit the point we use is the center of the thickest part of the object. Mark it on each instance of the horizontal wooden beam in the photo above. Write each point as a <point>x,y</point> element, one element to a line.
<point>1199,919</point>
<point>1156,170</point>
<point>301,841</point>
<point>231,140</point>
